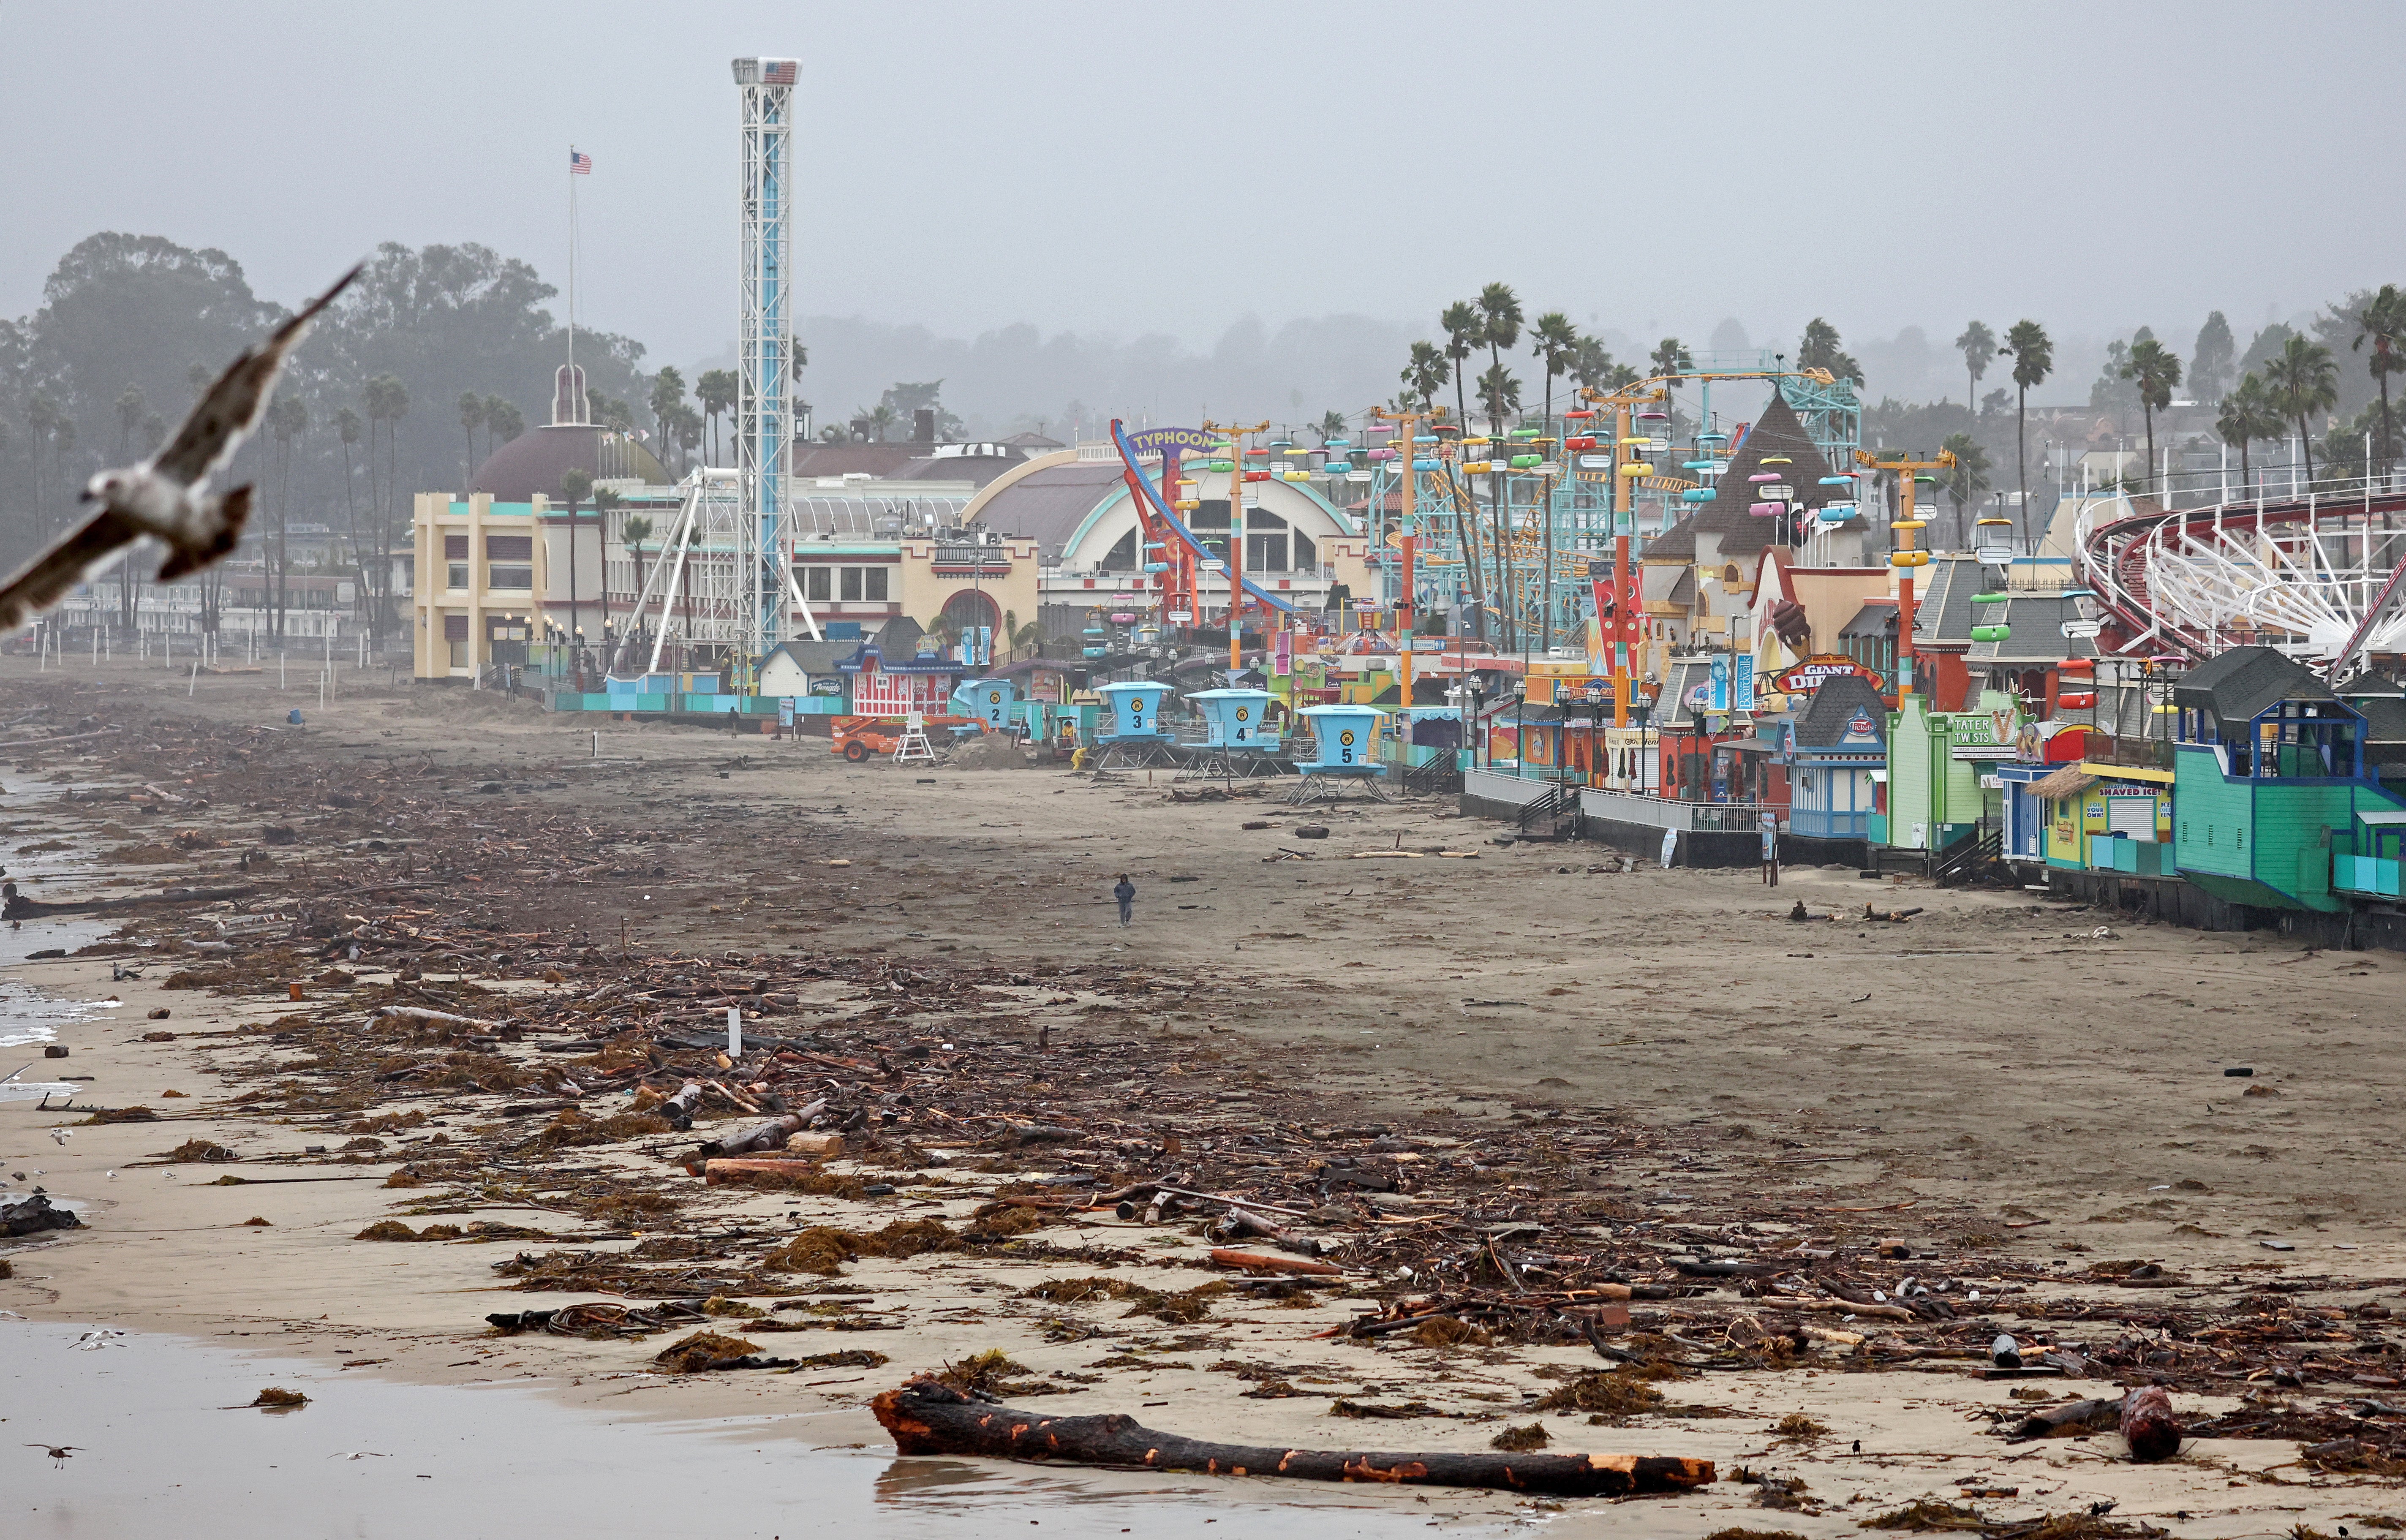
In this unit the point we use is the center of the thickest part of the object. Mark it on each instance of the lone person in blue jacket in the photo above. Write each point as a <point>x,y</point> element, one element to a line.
<point>1125,894</point>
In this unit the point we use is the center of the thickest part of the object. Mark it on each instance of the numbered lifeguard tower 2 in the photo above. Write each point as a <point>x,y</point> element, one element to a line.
<point>1137,740</point>
<point>1346,754</point>
<point>991,702</point>
<point>1237,740</point>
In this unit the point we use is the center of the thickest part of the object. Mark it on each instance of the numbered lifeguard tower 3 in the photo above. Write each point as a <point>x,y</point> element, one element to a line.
<point>991,700</point>
<point>1136,739</point>
<point>1237,742</point>
<point>1348,753</point>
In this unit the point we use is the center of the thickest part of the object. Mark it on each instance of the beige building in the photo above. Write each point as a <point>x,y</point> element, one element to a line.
<point>478,569</point>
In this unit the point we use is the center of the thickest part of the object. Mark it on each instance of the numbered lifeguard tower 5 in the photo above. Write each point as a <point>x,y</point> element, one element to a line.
<point>1347,753</point>
<point>991,702</point>
<point>1137,738</point>
<point>1237,740</point>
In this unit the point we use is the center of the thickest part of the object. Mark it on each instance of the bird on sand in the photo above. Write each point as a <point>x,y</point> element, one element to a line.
<point>166,497</point>
<point>58,1452</point>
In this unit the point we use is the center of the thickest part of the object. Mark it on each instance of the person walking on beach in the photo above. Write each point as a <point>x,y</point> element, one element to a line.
<point>1125,894</point>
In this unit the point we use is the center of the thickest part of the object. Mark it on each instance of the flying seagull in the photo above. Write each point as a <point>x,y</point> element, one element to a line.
<point>166,496</point>
<point>59,1452</point>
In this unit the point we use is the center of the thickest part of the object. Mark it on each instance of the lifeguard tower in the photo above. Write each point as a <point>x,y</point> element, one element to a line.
<point>991,702</point>
<point>1238,743</point>
<point>1136,741</point>
<point>1346,754</point>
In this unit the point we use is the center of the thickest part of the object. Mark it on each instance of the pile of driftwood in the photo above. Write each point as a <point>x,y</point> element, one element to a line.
<point>458,999</point>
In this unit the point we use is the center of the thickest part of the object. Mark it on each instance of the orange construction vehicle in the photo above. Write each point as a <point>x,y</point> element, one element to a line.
<point>857,738</point>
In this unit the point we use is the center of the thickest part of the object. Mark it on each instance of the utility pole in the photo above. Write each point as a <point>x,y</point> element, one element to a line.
<point>1623,635</point>
<point>1905,558</point>
<point>1236,436</point>
<point>1404,453</point>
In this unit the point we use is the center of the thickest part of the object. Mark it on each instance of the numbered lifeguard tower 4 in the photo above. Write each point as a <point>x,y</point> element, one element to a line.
<point>1237,740</point>
<point>1348,753</point>
<point>1136,739</point>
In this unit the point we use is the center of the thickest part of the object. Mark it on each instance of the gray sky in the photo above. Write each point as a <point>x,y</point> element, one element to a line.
<point>1132,169</point>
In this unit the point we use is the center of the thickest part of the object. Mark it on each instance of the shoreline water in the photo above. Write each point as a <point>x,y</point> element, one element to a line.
<point>165,1441</point>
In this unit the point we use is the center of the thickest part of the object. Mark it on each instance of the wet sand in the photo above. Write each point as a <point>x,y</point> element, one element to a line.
<point>1989,1065</point>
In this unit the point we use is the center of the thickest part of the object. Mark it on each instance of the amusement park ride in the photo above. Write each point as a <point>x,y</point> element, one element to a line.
<point>1516,526</point>
<point>1529,533</point>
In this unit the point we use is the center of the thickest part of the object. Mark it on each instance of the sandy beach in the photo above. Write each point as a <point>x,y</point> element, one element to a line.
<point>1576,1067</point>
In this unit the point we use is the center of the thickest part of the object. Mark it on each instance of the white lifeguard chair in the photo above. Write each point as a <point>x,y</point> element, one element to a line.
<point>913,748</point>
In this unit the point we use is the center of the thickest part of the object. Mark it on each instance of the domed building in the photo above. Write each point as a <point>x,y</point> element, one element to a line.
<point>498,567</point>
<point>533,462</point>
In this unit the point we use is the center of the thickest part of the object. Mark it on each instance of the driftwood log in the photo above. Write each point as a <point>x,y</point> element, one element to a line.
<point>19,907</point>
<point>2143,1418</point>
<point>2148,1425</point>
<point>928,1417</point>
<point>764,1136</point>
<point>1238,1222</point>
<point>1262,1262</point>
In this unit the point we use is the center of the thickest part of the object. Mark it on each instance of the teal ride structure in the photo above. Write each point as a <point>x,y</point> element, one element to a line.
<point>1515,524</point>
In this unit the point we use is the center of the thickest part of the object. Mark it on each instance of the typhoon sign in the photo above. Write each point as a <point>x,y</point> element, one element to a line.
<point>1162,441</point>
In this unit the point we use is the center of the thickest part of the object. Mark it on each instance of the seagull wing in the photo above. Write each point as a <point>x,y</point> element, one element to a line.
<point>230,409</point>
<point>51,576</point>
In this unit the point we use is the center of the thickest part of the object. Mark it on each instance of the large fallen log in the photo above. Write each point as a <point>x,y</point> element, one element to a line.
<point>2148,1425</point>
<point>19,907</point>
<point>928,1417</point>
<point>2143,1418</point>
<point>1262,1262</point>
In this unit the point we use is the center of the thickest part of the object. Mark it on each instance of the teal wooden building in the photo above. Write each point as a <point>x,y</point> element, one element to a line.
<point>2274,801</point>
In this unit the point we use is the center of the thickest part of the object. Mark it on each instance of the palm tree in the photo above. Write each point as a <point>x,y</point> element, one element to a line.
<point>129,416</point>
<point>1463,331</point>
<point>1331,425</point>
<point>715,390</point>
<point>2154,370</point>
<point>1978,345</point>
<point>1499,392</point>
<point>1499,311</point>
<point>41,415</point>
<point>1555,341</point>
<point>347,429</point>
<point>879,417</point>
<point>1591,365</point>
<point>605,503</point>
<point>574,486</point>
<point>502,419</point>
<point>472,416</point>
<point>63,445</point>
<point>688,436</point>
<point>1671,357</point>
<point>388,403</point>
<point>667,400</point>
<point>2300,380</point>
<point>1424,373</point>
<point>636,529</point>
<point>286,418</point>
<point>2383,324</point>
<point>2034,354</point>
<point>1967,480</point>
<point>1818,349</point>
<point>2246,415</point>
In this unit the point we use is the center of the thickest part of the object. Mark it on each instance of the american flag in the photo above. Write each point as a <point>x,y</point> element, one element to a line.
<point>579,164</point>
<point>779,72</point>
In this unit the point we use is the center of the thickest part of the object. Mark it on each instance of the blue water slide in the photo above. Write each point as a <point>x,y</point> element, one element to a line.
<point>1177,527</point>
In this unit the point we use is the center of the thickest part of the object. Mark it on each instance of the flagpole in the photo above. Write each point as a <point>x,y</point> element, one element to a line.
<point>572,271</point>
